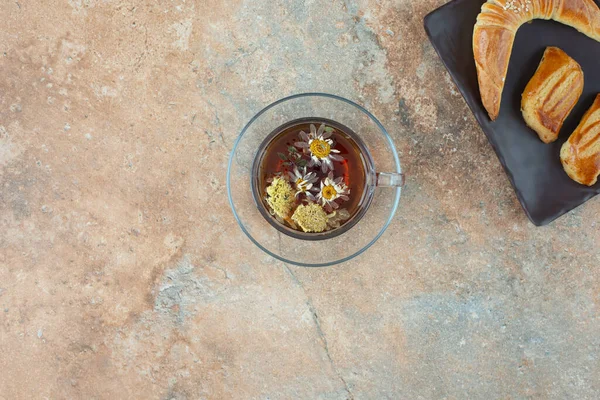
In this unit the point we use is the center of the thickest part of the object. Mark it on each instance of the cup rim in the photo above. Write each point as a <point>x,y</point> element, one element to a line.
<point>383,132</point>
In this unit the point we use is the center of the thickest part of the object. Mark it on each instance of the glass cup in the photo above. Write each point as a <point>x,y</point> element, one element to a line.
<point>382,189</point>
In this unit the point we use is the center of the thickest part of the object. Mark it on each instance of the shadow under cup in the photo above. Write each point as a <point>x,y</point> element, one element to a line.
<point>368,188</point>
<point>377,206</point>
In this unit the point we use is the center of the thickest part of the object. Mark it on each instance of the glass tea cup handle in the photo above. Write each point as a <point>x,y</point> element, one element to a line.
<point>389,179</point>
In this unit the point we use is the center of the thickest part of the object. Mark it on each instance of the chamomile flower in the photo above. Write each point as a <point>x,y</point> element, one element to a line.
<point>280,197</point>
<point>331,190</point>
<point>304,182</point>
<point>319,145</point>
<point>311,217</point>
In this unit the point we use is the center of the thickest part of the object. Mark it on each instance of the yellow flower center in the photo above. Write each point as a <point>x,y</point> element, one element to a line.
<point>329,192</point>
<point>320,148</point>
<point>301,184</point>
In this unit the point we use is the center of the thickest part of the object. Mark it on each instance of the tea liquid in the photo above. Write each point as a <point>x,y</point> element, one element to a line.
<point>320,160</point>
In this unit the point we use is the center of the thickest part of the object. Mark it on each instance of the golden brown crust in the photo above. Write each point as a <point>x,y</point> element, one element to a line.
<point>580,155</point>
<point>496,27</point>
<point>551,93</point>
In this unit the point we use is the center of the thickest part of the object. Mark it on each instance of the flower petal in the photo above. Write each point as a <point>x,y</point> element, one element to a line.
<point>313,129</point>
<point>327,135</point>
<point>302,145</point>
<point>304,136</point>
<point>321,130</point>
<point>334,205</point>
<point>336,157</point>
<point>334,151</point>
<point>344,197</point>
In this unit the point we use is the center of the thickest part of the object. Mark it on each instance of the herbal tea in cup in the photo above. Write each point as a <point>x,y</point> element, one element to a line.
<point>311,176</point>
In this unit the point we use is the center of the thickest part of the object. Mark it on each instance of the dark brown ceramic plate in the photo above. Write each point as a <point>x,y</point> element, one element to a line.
<point>534,168</point>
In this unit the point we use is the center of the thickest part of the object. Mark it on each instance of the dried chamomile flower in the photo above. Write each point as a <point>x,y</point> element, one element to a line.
<point>310,217</point>
<point>281,197</point>
<point>319,145</point>
<point>331,190</point>
<point>304,182</point>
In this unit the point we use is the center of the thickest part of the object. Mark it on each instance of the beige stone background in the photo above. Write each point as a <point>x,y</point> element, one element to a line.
<point>124,275</point>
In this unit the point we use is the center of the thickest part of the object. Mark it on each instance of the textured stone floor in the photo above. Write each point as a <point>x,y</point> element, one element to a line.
<point>124,275</point>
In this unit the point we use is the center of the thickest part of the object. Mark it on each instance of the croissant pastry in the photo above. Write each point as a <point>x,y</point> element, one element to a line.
<point>580,155</point>
<point>551,93</point>
<point>495,31</point>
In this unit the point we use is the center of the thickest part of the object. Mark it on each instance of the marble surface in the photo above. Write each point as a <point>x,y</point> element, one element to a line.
<point>124,275</point>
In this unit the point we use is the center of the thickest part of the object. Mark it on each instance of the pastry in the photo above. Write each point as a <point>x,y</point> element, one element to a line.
<point>551,93</point>
<point>580,155</point>
<point>495,30</point>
